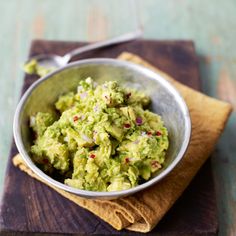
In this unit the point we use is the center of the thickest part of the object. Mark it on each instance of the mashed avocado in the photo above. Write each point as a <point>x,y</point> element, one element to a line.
<point>33,67</point>
<point>104,139</point>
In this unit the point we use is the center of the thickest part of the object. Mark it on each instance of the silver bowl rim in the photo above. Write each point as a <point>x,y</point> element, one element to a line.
<point>95,194</point>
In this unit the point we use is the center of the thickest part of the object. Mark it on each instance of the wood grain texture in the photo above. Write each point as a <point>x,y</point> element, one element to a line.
<point>31,207</point>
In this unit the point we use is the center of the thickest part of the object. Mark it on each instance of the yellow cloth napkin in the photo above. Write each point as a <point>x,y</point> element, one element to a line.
<point>142,211</point>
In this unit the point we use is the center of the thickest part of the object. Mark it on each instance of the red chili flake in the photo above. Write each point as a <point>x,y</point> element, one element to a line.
<point>92,156</point>
<point>158,133</point>
<point>128,95</point>
<point>45,161</point>
<point>75,118</point>
<point>126,160</point>
<point>127,126</point>
<point>139,120</point>
<point>149,133</point>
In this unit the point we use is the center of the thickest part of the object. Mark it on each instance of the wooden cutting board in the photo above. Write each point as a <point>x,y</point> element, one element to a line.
<point>30,207</point>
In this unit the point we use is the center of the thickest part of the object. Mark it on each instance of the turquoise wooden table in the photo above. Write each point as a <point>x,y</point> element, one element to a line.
<point>211,24</point>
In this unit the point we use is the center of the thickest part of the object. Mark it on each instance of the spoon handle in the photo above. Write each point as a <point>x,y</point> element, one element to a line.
<point>120,39</point>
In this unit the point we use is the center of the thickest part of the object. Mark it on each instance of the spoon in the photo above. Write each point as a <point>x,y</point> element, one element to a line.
<point>55,61</point>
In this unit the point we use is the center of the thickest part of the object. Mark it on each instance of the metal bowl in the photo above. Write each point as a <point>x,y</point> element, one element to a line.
<point>166,101</point>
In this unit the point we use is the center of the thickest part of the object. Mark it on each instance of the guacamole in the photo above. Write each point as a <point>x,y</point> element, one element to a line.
<point>104,138</point>
<point>33,67</point>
